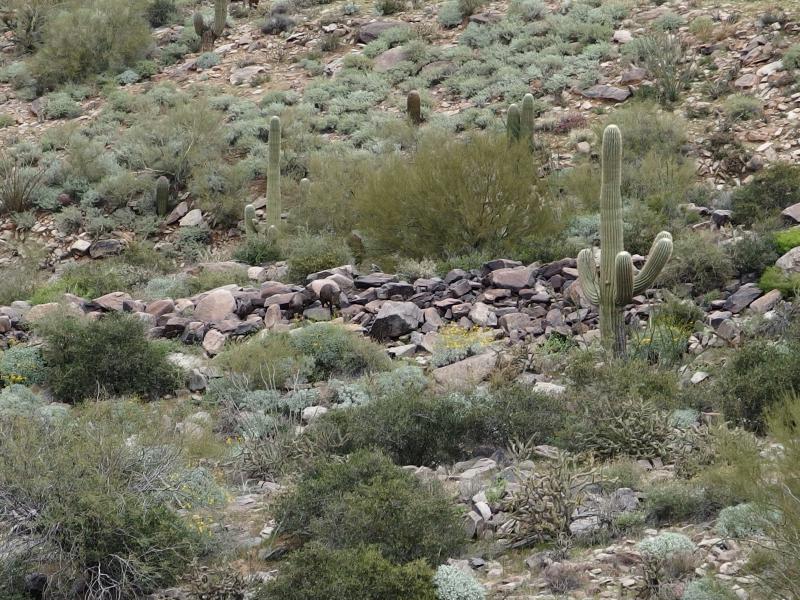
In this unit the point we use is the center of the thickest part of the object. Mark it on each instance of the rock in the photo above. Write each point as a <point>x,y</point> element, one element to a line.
<point>607,92</point>
<point>80,247</point>
<point>770,68</point>
<point>728,330</point>
<point>246,74</point>
<point>515,321</point>
<point>746,81</point>
<point>196,381</point>
<point>583,148</point>
<point>5,324</point>
<point>633,75</point>
<point>113,301</point>
<point>742,298</point>
<point>104,248</point>
<point>469,371</point>
<point>193,218</point>
<point>177,213</point>
<point>549,389</point>
<point>482,315</point>
<point>513,279</point>
<point>312,413</point>
<point>792,212</point>
<point>257,274</point>
<point>388,60</point>
<point>160,307</point>
<point>698,377</point>
<point>789,263</point>
<point>213,342</point>
<point>622,36</point>
<point>216,305</point>
<point>395,319</point>
<point>272,316</point>
<point>372,31</point>
<point>766,302</point>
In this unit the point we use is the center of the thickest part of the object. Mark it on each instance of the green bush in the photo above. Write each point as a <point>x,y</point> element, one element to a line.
<point>60,106</point>
<point>335,351</point>
<point>741,107</point>
<point>449,14</point>
<point>770,191</point>
<point>82,39</point>
<point>740,521</point>
<point>23,364</point>
<point>752,254</point>
<point>699,261</point>
<point>256,251</point>
<point>96,513</point>
<point>677,501</point>
<point>787,239</point>
<point>267,362</point>
<point>791,58</point>
<point>358,573</point>
<point>707,588</point>
<point>774,278</point>
<point>111,356</point>
<point>367,500</point>
<point>161,12</point>
<point>438,199</point>
<point>309,253</point>
<point>454,584</point>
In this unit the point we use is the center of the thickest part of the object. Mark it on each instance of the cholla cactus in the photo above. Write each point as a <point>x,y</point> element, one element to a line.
<point>616,283</point>
<point>162,196</point>
<point>414,107</point>
<point>273,213</point>
<point>454,584</point>
<point>220,17</point>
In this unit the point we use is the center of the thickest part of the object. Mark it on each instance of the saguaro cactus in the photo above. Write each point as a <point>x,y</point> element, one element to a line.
<point>513,123</point>
<point>273,213</point>
<point>162,196</point>
<point>414,107</point>
<point>616,283</point>
<point>527,119</point>
<point>220,17</point>
<point>253,228</point>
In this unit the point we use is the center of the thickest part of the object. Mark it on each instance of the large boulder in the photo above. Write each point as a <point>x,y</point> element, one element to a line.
<point>742,298</point>
<point>789,263</point>
<point>217,305</point>
<point>515,278</point>
<point>466,372</point>
<point>395,319</point>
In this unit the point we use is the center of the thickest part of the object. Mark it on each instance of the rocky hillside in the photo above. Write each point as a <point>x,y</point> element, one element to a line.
<point>393,299</point>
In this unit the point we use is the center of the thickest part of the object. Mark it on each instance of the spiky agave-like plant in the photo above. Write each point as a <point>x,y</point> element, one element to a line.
<point>616,283</point>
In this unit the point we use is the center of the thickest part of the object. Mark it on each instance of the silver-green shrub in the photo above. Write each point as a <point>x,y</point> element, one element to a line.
<point>454,584</point>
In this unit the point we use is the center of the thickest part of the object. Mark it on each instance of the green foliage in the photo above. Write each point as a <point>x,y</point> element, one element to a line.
<point>256,250</point>
<point>367,500</point>
<point>774,278</point>
<point>739,522</point>
<point>699,261</point>
<point>23,364</point>
<point>755,378</point>
<point>19,401</point>
<point>309,253</point>
<point>161,12</point>
<point>668,22</point>
<point>352,573</point>
<point>449,14</point>
<point>95,494</point>
<point>787,239</point>
<point>335,351</point>
<point>791,58</point>
<point>82,39</point>
<point>677,501</point>
<point>469,7</point>
<point>389,7</point>
<point>111,356</point>
<point>267,362</point>
<point>439,199</point>
<point>666,557</point>
<point>666,59</point>
<point>707,588</point>
<point>454,584</point>
<point>742,107</point>
<point>207,60</point>
<point>753,253</point>
<point>60,106</point>
<point>456,343</point>
<point>412,269</point>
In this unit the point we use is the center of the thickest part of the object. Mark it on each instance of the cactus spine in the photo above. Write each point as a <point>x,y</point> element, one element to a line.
<point>616,283</point>
<point>162,196</point>
<point>273,212</point>
<point>513,123</point>
<point>414,107</point>
<point>220,17</point>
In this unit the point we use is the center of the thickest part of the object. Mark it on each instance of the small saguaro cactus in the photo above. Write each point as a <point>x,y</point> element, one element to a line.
<point>616,283</point>
<point>513,123</point>
<point>527,119</point>
<point>220,17</point>
<point>199,24</point>
<point>162,196</point>
<point>251,227</point>
<point>414,107</point>
<point>273,212</point>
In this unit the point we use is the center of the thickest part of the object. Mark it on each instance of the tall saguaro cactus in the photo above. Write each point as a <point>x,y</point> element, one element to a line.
<point>616,283</point>
<point>162,196</point>
<point>513,123</point>
<point>520,121</point>
<point>220,17</point>
<point>273,211</point>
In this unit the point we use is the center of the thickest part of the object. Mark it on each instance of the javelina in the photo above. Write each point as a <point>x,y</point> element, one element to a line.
<point>329,296</point>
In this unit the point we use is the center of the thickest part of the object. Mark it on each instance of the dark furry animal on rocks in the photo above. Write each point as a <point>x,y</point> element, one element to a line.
<point>329,296</point>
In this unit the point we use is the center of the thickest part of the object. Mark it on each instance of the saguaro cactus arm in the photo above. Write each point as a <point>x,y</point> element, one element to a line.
<point>587,272</point>
<point>513,123</point>
<point>220,17</point>
<point>659,254</point>
<point>527,118</point>
<point>250,225</point>
<point>623,278</point>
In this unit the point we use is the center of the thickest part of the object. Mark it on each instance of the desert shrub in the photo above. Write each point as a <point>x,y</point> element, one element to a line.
<point>787,239</point>
<point>23,364</point>
<point>449,14</point>
<point>59,105</point>
<point>20,181</point>
<point>439,199</point>
<point>666,60</point>
<point>309,253</point>
<point>528,10</point>
<point>161,12</point>
<point>677,501</point>
<point>256,251</point>
<point>665,557</point>
<point>454,584</point>
<point>755,378</point>
<point>277,23</point>
<point>769,192</point>
<point>659,343</point>
<point>697,261</point>
<point>19,401</point>
<point>412,269</point>
<point>668,22</point>
<point>335,351</point>
<point>469,7</point>
<point>367,500</point>
<point>707,588</point>
<point>791,58</point>
<point>352,573</point>
<point>109,356</point>
<point>269,362</point>
<point>742,107</point>
<point>20,279</point>
<point>95,513</point>
<point>389,7</point>
<point>740,521</point>
<point>82,39</point>
<point>702,27</point>
<point>456,343</point>
<point>774,278</point>
<point>207,60</point>
<point>752,253</point>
